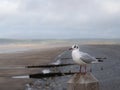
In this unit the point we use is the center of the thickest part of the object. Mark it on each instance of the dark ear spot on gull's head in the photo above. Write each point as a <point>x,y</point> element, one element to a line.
<point>75,46</point>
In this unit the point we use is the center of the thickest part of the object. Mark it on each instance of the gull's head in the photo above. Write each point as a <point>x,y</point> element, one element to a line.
<point>74,47</point>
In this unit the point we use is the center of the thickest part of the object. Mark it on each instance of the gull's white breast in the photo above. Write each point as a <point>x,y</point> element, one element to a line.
<point>76,57</point>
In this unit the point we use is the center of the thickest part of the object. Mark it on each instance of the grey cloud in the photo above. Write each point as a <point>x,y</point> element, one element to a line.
<point>61,18</point>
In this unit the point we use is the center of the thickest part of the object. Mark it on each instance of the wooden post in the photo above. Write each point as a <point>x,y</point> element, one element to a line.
<point>83,82</point>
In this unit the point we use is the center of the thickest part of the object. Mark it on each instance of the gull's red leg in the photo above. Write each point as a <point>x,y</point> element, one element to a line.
<point>85,69</point>
<point>80,68</point>
<point>90,69</point>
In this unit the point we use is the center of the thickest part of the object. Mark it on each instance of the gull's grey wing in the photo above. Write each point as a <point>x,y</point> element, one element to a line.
<point>87,58</point>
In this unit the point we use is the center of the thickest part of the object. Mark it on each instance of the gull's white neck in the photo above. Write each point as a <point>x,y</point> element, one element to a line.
<point>76,50</point>
<point>75,54</point>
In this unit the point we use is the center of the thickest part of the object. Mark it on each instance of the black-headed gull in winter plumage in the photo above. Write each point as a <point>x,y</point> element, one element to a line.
<point>81,58</point>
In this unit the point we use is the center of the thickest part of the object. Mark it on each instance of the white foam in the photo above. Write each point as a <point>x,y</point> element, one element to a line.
<point>57,62</point>
<point>27,76</point>
<point>45,71</point>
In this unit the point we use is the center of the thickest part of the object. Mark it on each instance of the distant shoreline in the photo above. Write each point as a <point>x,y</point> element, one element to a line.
<point>14,46</point>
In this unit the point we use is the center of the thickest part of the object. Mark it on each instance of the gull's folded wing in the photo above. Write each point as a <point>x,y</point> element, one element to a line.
<point>87,58</point>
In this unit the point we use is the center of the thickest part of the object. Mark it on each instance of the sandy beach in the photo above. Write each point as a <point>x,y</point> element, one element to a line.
<point>34,56</point>
<point>108,77</point>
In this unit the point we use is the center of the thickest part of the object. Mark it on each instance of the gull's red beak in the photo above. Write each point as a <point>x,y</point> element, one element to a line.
<point>70,48</point>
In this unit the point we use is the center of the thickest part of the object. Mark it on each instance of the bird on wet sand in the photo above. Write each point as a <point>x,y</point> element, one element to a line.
<point>82,59</point>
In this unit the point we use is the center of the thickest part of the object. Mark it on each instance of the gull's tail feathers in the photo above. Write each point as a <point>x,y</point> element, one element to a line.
<point>100,60</point>
<point>97,61</point>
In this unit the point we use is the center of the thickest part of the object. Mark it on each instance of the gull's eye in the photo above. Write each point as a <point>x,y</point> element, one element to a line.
<point>75,46</point>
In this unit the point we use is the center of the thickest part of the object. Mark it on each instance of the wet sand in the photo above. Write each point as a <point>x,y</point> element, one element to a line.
<point>21,59</point>
<point>109,77</point>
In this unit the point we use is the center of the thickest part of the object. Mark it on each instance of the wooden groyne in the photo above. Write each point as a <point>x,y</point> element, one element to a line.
<point>83,82</point>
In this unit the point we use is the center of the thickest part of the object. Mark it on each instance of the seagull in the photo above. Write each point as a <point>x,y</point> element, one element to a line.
<point>81,58</point>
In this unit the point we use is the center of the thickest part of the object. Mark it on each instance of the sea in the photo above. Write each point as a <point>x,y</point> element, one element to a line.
<point>18,45</point>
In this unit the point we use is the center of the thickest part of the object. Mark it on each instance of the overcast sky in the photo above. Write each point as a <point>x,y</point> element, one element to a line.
<point>61,19</point>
